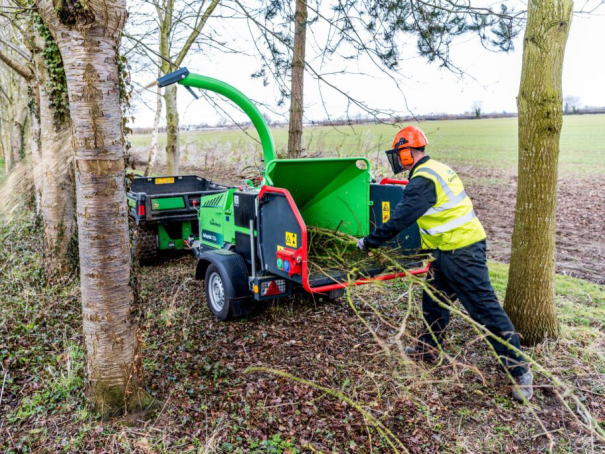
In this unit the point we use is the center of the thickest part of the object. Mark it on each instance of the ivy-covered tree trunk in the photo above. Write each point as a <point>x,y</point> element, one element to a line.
<point>295,128</point>
<point>530,295</point>
<point>55,164</point>
<point>58,195</point>
<point>88,36</point>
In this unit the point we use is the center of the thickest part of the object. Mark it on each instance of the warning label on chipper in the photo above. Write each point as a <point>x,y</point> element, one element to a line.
<point>386,211</point>
<point>291,239</point>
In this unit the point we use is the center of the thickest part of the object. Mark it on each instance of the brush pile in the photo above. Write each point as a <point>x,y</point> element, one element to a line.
<point>334,252</point>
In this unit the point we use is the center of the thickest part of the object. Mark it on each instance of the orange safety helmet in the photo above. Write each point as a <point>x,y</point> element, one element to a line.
<point>406,139</point>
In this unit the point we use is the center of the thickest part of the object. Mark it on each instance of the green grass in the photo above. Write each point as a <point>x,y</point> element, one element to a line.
<point>489,142</point>
<point>580,303</point>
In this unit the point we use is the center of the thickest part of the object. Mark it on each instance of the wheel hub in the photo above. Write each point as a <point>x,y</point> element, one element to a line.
<point>216,292</point>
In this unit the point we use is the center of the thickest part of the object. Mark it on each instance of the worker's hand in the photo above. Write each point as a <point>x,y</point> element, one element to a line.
<point>361,244</point>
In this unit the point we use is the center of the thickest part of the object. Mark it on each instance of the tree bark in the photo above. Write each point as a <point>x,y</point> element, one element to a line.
<point>19,120</point>
<point>5,124</point>
<point>165,15</point>
<point>295,128</point>
<point>36,152</point>
<point>153,150</point>
<point>4,144</point>
<point>530,295</point>
<point>88,38</point>
<point>54,169</point>
<point>58,198</point>
<point>173,148</point>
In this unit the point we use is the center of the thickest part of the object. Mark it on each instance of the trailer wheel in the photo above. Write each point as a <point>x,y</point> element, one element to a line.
<point>146,244</point>
<point>336,294</point>
<point>218,296</point>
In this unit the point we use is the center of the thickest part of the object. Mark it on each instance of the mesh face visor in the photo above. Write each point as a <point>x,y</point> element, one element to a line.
<point>394,161</point>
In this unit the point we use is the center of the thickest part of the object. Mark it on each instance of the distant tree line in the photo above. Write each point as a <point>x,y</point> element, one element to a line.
<point>567,110</point>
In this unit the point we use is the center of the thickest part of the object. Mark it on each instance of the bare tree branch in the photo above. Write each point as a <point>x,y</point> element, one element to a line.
<point>20,69</point>
<point>196,32</point>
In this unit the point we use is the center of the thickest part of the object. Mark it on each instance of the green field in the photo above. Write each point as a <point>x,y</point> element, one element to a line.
<point>489,142</point>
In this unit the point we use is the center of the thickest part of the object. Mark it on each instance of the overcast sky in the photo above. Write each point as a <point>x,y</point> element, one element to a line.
<point>422,88</point>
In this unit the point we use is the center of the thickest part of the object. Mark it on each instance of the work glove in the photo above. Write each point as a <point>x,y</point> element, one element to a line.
<point>361,244</point>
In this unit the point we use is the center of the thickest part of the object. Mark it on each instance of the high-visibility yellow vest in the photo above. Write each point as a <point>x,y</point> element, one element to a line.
<point>451,223</point>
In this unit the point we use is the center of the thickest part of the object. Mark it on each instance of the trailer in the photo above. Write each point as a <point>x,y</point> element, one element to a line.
<point>252,242</point>
<point>163,211</point>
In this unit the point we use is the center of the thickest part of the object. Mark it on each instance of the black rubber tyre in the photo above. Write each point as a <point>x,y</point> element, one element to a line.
<point>146,245</point>
<point>336,294</point>
<point>218,295</point>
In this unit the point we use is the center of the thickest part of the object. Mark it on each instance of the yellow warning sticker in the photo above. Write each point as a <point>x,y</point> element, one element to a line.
<point>386,211</point>
<point>280,248</point>
<point>291,240</point>
<point>164,180</point>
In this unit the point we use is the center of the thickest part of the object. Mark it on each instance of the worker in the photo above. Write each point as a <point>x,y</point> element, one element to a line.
<point>451,230</point>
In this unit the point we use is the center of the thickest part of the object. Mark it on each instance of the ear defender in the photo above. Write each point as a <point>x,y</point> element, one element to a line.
<point>405,155</point>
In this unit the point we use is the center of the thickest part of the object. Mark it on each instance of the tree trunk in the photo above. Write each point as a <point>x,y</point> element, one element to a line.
<point>153,150</point>
<point>5,139</point>
<point>295,128</point>
<point>58,198</point>
<point>173,149</point>
<point>19,120</point>
<point>4,144</point>
<point>88,38</point>
<point>530,295</point>
<point>36,159</point>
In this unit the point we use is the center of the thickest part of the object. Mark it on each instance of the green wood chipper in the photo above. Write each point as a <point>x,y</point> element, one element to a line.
<point>251,242</point>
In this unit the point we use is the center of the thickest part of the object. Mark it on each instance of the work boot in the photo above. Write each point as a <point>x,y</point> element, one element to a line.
<point>523,390</point>
<point>421,352</point>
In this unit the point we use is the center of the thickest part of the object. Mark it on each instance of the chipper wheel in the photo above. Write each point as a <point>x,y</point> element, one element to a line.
<point>336,294</point>
<point>146,246</point>
<point>220,295</point>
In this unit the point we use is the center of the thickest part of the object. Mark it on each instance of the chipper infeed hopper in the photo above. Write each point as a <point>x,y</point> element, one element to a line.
<point>253,241</point>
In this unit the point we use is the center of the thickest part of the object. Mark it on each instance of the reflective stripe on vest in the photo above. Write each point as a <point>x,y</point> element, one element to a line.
<point>451,225</point>
<point>452,222</point>
<point>453,200</point>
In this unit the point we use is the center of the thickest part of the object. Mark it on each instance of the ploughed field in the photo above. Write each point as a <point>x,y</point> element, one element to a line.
<point>483,152</point>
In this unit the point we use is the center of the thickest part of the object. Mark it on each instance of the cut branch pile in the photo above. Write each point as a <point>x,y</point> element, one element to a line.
<point>334,252</point>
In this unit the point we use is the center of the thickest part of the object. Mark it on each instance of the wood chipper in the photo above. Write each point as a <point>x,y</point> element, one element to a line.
<point>253,243</point>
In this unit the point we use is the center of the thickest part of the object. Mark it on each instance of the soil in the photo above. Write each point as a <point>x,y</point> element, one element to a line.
<point>580,234</point>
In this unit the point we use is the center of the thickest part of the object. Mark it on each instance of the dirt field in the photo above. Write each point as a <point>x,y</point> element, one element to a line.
<point>580,219</point>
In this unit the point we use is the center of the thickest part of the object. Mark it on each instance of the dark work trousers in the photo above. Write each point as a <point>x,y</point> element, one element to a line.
<point>463,273</point>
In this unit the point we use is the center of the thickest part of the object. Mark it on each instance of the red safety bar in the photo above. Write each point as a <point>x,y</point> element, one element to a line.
<point>391,181</point>
<point>299,219</point>
<point>384,277</point>
<point>304,250</point>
